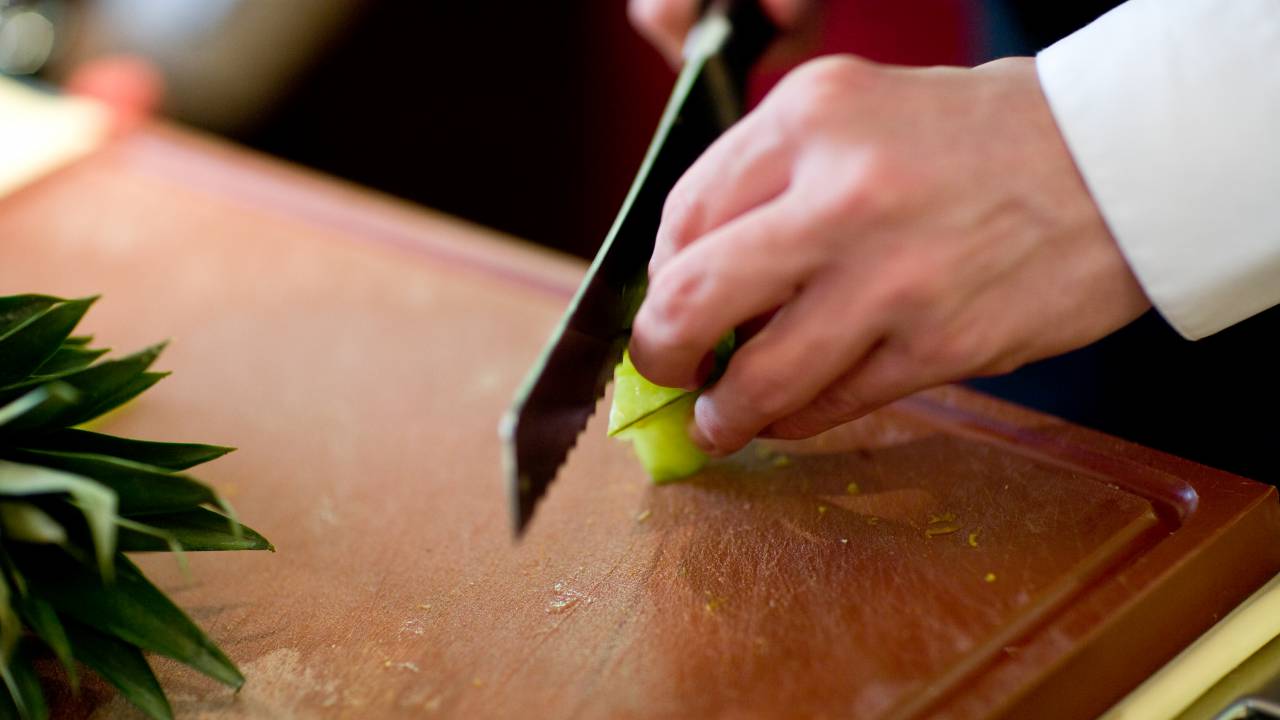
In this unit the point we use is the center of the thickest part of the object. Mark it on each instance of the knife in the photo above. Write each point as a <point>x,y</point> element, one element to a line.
<point>561,391</point>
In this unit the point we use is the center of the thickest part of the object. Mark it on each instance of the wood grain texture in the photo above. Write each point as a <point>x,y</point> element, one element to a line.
<point>360,352</point>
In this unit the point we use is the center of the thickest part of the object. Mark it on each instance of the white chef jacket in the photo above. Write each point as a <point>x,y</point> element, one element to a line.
<point>1171,109</point>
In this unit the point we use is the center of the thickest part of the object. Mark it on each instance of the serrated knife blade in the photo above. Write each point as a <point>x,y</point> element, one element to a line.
<point>562,389</point>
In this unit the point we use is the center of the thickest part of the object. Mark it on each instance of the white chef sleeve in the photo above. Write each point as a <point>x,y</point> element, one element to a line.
<point>1171,109</point>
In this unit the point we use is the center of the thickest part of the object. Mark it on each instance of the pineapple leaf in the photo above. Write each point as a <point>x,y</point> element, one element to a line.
<point>17,309</point>
<point>28,345</point>
<point>98,503</point>
<point>97,385</point>
<point>43,620</point>
<point>129,391</point>
<point>10,625</point>
<point>163,536</point>
<point>24,686</point>
<point>122,665</point>
<point>53,470</point>
<point>131,609</point>
<point>70,358</point>
<point>51,395</point>
<point>170,456</point>
<point>139,489</point>
<point>195,530</point>
<point>25,522</point>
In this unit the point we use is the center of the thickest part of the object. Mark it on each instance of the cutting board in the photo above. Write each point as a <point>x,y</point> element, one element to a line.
<point>951,556</point>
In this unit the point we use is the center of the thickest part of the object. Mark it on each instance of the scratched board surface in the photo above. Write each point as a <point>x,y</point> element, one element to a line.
<point>950,556</point>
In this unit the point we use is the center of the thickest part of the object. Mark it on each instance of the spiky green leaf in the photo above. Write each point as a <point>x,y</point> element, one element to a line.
<point>45,398</point>
<point>195,530</point>
<point>122,665</point>
<point>98,503</point>
<point>131,608</point>
<point>129,391</point>
<point>23,685</point>
<point>43,620</point>
<point>33,341</point>
<point>50,473</point>
<point>24,522</point>
<point>69,358</point>
<point>101,387</point>
<point>10,624</point>
<point>170,456</point>
<point>17,309</point>
<point>140,489</point>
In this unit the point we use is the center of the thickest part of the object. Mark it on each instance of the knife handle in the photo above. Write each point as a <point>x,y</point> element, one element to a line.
<point>742,31</point>
<point>752,31</point>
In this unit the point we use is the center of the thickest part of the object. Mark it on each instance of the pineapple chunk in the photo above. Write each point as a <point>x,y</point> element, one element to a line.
<point>634,397</point>
<point>662,444</point>
<point>653,418</point>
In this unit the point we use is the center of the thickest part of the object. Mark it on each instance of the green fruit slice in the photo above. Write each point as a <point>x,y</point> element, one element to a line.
<point>662,443</point>
<point>635,398</point>
<point>655,418</point>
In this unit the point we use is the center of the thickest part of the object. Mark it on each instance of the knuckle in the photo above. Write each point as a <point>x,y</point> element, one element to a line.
<point>919,288</point>
<point>672,308</point>
<point>681,213</point>
<point>874,182</point>
<point>811,91</point>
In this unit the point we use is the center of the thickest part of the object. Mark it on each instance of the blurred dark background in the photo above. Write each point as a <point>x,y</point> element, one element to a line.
<point>532,117</point>
<point>526,117</point>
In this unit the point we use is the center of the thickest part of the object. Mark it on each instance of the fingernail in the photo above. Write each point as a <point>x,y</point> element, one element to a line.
<point>695,431</point>
<point>696,436</point>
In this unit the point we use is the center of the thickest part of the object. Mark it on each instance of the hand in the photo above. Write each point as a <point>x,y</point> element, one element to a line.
<point>129,87</point>
<point>665,23</point>
<point>892,229</point>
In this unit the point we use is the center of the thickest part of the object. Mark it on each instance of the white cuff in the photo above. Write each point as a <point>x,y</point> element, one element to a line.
<point>1171,109</point>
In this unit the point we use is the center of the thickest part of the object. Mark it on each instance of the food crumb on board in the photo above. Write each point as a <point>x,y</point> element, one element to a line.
<point>973,537</point>
<point>844,541</point>
<point>424,606</point>
<point>714,602</point>
<point>822,509</point>
<point>991,577</point>
<point>943,524</point>
<point>852,488</point>
<point>643,515</point>
<point>771,456</point>
<point>873,520</point>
